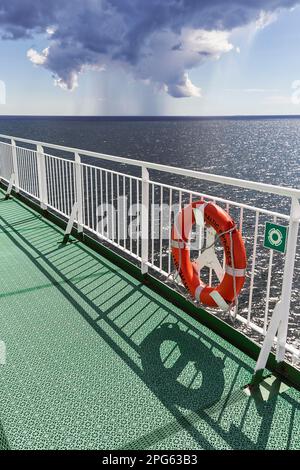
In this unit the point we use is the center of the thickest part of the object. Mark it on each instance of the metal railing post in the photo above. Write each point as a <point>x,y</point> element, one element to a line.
<point>15,165</point>
<point>145,220</point>
<point>41,167</point>
<point>78,178</point>
<point>287,282</point>
<point>280,318</point>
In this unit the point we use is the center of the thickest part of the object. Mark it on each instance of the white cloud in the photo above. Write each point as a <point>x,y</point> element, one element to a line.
<point>50,30</point>
<point>206,43</point>
<point>253,90</point>
<point>295,98</point>
<point>278,99</point>
<point>69,85</point>
<point>184,88</point>
<point>158,41</point>
<point>265,19</point>
<point>168,57</point>
<point>2,92</point>
<point>36,58</point>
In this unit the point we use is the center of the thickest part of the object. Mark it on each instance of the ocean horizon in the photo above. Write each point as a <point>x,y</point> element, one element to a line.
<point>151,117</point>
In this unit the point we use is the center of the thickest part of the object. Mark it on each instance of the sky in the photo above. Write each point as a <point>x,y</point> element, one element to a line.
<point>149,57</point>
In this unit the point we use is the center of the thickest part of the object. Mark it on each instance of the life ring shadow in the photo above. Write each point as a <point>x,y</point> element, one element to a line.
<point>165,379</point>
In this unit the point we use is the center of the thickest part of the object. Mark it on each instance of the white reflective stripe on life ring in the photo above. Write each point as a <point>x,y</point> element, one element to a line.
<point>235,272</point>
<point>199,214</point>
<point>219,300</point>
<point>180,244</point>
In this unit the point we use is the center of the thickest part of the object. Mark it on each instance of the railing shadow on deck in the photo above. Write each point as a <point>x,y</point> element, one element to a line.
<point>88,274</point>
<point>4,445</point>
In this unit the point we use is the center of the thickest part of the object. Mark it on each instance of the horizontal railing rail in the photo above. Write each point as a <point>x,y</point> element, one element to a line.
<point>135,215</point>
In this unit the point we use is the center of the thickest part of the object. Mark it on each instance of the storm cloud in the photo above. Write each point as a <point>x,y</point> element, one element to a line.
<point>157,41</point>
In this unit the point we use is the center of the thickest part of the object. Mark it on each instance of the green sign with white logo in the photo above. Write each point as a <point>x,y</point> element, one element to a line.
<point>275,237</point>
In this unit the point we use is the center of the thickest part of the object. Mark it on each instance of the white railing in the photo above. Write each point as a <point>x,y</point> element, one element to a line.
<point>134,213</point>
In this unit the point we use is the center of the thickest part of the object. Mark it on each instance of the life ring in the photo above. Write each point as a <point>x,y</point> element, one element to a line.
<point>233,279</point>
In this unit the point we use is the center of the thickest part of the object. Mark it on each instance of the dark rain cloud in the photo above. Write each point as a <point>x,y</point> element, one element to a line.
<point>156,40</point>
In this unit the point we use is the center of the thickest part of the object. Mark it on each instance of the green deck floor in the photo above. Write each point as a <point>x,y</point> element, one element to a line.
<point>97,360</point>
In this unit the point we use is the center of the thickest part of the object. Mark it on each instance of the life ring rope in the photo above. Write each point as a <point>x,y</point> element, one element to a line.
<point>228,269</point>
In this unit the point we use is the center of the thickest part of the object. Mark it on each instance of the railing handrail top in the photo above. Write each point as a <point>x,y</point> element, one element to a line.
<point>246,184</point>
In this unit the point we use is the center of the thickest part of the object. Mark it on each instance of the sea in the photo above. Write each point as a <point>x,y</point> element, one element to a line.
<point>265,149</point>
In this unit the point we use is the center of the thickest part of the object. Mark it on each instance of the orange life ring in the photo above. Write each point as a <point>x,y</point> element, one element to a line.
<point>233,280</point>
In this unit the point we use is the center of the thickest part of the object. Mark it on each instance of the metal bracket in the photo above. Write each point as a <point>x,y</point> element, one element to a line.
<point>70,223</point>
<point>270,336</point>
<point>10,185</point>
<point>209,257</point>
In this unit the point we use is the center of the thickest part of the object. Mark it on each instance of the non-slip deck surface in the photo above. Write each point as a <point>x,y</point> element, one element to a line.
<point>97,360</point>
